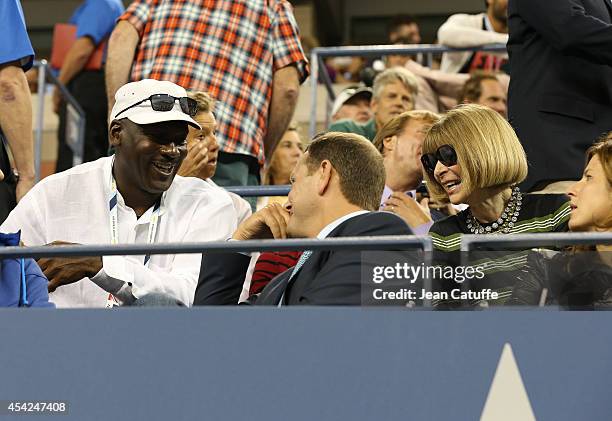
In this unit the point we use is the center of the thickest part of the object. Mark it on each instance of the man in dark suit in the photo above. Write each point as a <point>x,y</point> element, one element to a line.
<point>560,97</point>
<point>336,186</point>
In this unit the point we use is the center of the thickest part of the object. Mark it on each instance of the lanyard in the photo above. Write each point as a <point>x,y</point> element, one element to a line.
<point>114,228</point>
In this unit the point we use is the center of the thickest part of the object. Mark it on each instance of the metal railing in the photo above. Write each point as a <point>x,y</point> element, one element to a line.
<point>343,243</point>
<point>78,145</point>
<point>319,54</point>
<point>399,242</point>
<point>256,191</point>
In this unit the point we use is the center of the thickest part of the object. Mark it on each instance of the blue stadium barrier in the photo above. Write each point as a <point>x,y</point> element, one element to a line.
<point>341,243</point>
<point>302,364</point>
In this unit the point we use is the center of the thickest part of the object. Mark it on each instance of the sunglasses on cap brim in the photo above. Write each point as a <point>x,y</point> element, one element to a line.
<point>163,102</point>
<point>445,154</point>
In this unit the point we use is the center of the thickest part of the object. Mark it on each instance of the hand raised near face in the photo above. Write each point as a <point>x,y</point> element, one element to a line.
<point>408,209</point>
<point>269,222</point>
<point>194,164</point>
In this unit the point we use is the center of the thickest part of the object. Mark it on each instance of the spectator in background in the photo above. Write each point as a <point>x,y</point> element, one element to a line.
<point>437,91</point>
<point>462,30</point>
<point>353,103</point>
<point>16,56</point>
<point>394,92</point>
<point>400,142</point>
<point>346,69</point>
<point>485,89</point>
<point>94,21</point>
<point>245,54</point>
<point>286,156</point>
<point>560,96</point>
<point>131,197</point>
<point>269,264</point>
<point>203,150</point>
<point>404,27</point>
<point>394,60</point>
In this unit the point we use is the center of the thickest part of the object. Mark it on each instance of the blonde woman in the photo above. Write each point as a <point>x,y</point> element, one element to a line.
<point>473,156</point>
<point>581,277</point>
<point>284,159</point>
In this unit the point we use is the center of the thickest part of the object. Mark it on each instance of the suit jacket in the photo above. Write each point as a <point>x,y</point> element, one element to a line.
<point>326,278</point>
<point>560,97</point>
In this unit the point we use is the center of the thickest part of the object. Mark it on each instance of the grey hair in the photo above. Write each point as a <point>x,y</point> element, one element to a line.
<point>405,76</point>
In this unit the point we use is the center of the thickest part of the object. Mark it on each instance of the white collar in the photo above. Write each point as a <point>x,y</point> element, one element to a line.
<point>387,192</point>
<point>487,23</point>
<point>333,225</point>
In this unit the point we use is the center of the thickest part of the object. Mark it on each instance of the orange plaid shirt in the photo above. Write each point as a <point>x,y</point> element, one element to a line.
<point>228,48</point>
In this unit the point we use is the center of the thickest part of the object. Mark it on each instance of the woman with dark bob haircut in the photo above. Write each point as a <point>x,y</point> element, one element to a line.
<point>472,156</point>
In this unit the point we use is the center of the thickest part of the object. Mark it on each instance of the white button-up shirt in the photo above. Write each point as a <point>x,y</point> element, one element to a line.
<point>73,206</point>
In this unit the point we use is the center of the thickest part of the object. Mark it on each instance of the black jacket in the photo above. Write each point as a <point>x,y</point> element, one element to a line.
<point>580,280</point>
<point>327,277</point>
<point>560,97</point>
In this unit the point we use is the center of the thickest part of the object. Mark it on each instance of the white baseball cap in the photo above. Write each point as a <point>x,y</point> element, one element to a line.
<point>132,101</point>
<point>349,93</point>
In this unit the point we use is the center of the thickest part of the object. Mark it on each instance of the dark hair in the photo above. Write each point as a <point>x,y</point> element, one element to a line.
<point>472,89</point>
<point>358,164</point>
<point>399,20</point>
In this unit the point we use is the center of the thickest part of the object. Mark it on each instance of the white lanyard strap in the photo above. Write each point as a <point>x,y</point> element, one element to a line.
<point>114,219</point>
<point>114,229</point>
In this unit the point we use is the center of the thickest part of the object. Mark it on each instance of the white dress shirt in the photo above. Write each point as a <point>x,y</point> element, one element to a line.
<point>73,206</point>
<point>242,207</point>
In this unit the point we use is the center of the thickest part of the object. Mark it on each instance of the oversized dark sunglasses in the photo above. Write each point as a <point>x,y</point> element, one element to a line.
<point>445,154</point>
<point>163,102</point>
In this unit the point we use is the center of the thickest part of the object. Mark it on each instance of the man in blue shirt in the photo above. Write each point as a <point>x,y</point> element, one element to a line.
<point>16,56</point>
<point>94,21</point>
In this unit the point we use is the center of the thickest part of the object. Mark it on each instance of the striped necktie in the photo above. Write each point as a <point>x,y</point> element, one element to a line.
<point>296,268</point>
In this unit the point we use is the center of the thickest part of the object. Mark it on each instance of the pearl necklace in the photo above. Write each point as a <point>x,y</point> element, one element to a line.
<point>505,222</point>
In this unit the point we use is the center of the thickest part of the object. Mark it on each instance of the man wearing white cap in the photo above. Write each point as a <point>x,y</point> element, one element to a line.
<point>353,103</point>
<point>134,196</point>
<point>394,92</point>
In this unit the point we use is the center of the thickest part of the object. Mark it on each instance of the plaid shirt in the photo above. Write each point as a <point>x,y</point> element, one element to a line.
<point>228,48</point>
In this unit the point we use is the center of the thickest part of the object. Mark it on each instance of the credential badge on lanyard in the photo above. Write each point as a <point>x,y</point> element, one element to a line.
<point>112,301</point>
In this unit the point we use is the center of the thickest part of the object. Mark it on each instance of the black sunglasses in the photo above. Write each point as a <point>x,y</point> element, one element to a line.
<point>163,102</point>
<point>445,154</point>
